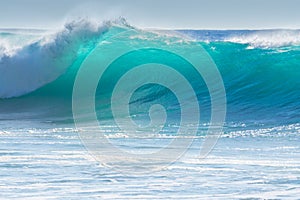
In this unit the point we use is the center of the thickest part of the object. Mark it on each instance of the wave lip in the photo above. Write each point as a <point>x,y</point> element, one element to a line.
<point>26,68</point>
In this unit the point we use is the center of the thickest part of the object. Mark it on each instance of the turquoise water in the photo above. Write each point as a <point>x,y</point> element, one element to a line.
<point>257,156</point>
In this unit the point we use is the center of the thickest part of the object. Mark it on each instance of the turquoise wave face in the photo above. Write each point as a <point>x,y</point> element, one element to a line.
<point>262,84</point>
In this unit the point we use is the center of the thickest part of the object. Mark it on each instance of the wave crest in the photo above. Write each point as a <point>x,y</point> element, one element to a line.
<point>26,68</point>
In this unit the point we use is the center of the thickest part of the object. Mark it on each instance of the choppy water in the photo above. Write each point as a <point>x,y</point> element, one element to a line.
<point>52,163</point>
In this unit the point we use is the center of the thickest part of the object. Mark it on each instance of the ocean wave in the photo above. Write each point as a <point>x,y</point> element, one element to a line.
<point>40,74</point>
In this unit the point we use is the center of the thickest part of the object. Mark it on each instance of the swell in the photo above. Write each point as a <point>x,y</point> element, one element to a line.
<point>262,84</point>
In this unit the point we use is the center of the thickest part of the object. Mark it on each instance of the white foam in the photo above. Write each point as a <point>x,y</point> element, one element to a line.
<point>26,68</point>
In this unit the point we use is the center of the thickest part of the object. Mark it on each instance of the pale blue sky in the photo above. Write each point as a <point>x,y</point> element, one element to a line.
<point>196,14</point>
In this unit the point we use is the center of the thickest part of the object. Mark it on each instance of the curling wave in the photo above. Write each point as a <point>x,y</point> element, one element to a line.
<point>37,72</point>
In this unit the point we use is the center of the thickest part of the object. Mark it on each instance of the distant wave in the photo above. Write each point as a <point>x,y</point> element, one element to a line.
<point>254,38</point>
<point>269,39</point>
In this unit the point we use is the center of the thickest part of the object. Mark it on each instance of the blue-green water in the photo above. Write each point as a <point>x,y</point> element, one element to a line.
<point>257,156</point>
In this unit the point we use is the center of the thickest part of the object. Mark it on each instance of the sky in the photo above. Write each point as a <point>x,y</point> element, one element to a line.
<point>161,14</point>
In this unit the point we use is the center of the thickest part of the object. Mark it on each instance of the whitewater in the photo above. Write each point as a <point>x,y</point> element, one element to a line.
<point>41,154</point>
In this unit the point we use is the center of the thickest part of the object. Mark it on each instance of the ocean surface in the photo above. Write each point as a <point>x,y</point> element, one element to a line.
<point>42,155</point>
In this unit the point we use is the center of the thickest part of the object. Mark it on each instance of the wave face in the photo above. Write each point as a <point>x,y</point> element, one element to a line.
<point>260,69</point>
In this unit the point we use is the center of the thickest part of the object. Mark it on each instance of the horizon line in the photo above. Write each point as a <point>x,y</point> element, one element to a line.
<point>159,29</point>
